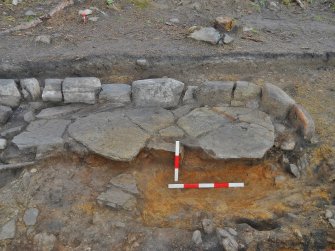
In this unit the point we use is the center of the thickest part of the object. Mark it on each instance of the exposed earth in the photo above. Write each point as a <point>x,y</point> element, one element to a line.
<point>62,202</point>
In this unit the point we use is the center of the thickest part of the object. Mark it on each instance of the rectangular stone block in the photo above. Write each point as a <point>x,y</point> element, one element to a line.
<point>81,90</point>
<point>9,94</point>
<point>52,90</point>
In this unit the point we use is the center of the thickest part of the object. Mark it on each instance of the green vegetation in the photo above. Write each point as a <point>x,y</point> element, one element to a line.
<point>141,3</point>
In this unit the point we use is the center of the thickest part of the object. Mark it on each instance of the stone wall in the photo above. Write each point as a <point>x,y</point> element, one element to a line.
<point>227,120</point>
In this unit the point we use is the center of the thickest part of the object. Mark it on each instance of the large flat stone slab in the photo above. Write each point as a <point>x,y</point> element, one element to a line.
<point>58,111</point>
<point>200,121</point>
<point>42,134</point>
<point>151,119</point>
<point>161,92</point>
<point>237,141</point>
<point>109,134</point>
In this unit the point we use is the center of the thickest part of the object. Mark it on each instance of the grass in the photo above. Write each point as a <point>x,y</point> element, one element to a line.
<point>141,3</point>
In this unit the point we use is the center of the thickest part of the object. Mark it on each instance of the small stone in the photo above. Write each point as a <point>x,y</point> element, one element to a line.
<point>196,6</point>
<point>142,62</point>
<point>272,5</point>
<point>329,214</point>
<point>208,226</point>
<point>44,241</point>
<point>223,24</point>
<point>29,116</point>
<point>223,233</point>
<point>289,143</point>
<point>44,39</point>
<point>174,20</point>
<point>227,39</point>
<point>30,216</point>
<point>3,144</point>
<point>294,170</point>
<point>247,29</point>
<point>30,13</point>
<point>207,34</point>
<point>34,170</point>
<point>5,113</point>
<point>126,182</point>
<point>117,199</point>
<point>32,86</point>
<point>7,231</point>
<point>196,237</point>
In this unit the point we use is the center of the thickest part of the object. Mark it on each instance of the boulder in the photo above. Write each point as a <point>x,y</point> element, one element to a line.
<point>161,92</point>
<point>206,34</point>
<point>9,94</point>
<point>43,134</point>
<point>32,87</point>
<point>117,199</point>
<point>223,24</point>
<point>53,90</point>
<point>201,121</point>
<point>215,92</point>
<point>5,113</point>
<point>275,101</point>
<point>81,90</point>
<point>111,135</point>
<point>302,121</point>
<point>151,119</point>
<point>116,93</point>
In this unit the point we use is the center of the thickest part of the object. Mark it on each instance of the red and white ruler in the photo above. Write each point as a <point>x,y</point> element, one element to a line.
<point>196,185</point>
<point>176,161</point>
<point>206,185</point>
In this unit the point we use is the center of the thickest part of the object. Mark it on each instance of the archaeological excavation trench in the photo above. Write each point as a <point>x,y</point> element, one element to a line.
<point>94,155</point>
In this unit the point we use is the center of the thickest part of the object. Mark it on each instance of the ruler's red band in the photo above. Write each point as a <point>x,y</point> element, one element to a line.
<point>191,185</point>
<point>221,185</point>
<point>176,161</point>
